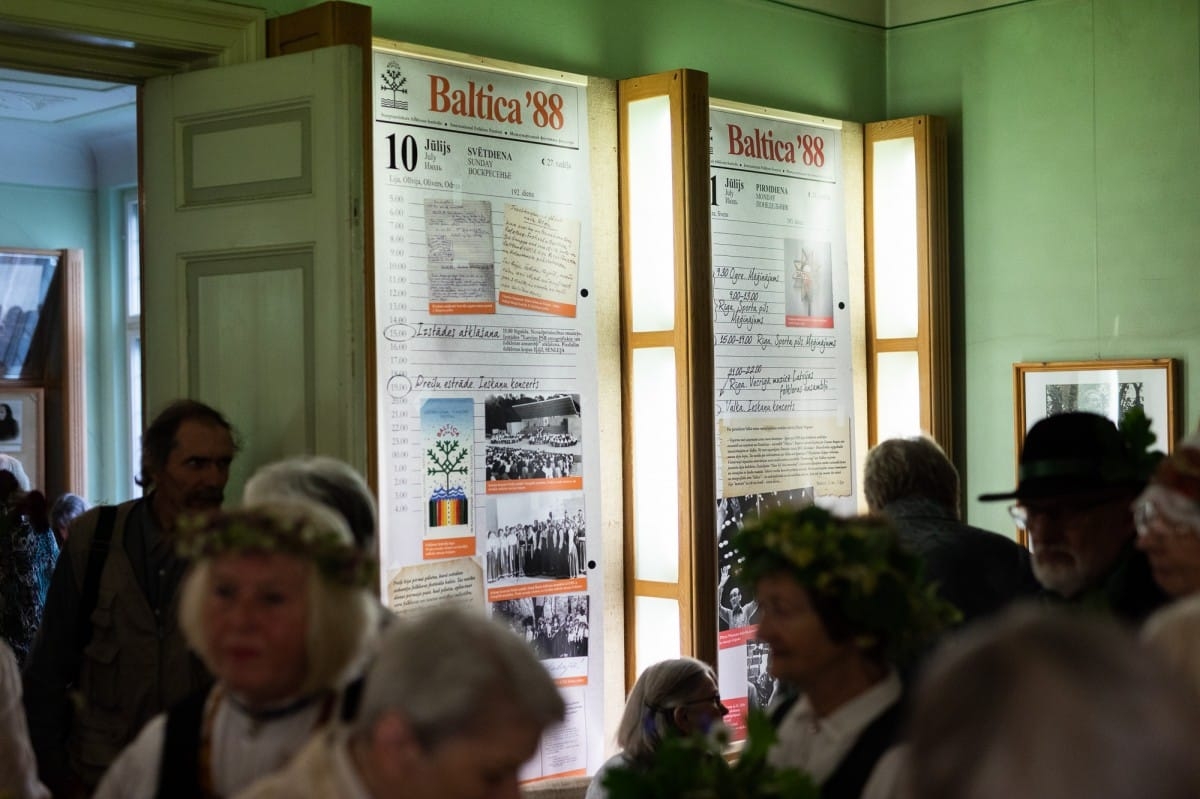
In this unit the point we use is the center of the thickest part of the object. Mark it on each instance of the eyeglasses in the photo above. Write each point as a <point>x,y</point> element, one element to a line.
<point>1058,508</point>
<point>1149,518</point>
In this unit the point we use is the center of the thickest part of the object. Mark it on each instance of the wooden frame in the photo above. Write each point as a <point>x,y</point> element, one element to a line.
<point>930,236</point>
<point>22,415</point>
<point>54,365</point>
<point>690,339</point>
<point>1041,389</point>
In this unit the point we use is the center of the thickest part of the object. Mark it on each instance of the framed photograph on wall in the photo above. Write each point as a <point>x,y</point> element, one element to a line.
<point>25,278</point>
<point>1108,388</point>
<point>21,419</point>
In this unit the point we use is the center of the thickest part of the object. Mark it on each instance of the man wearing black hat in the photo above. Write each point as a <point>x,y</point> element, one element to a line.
<point>1077,479</point>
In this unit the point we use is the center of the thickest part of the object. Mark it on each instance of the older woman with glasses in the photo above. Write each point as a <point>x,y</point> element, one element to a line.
<point>673,697</point>
<point>1167,515</point>
<point>275,606</point>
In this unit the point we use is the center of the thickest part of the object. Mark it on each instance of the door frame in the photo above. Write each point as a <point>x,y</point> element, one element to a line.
<point>128,40</point>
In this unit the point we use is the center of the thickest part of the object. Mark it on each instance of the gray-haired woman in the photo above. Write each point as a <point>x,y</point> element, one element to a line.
<point>672,697</point>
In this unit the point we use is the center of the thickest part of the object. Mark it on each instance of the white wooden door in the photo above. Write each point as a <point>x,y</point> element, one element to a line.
<point>252,284</point>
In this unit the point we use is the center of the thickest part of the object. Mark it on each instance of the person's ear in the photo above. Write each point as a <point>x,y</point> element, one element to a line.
<point>679,718</point>
<point>393,737</point>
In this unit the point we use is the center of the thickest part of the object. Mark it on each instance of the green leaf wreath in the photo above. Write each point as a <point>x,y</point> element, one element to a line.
<point>695,767</point>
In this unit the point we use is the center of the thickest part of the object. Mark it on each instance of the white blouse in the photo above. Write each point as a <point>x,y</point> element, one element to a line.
<point>18,770</point>
<point>243,749</point>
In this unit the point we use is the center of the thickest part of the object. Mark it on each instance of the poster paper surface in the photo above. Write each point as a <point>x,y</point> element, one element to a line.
<point>782,352</point>
<point>486,364</point>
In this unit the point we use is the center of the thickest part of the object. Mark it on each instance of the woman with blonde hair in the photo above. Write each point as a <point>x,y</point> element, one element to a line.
<point>275,606</point>
<point>672,697</point>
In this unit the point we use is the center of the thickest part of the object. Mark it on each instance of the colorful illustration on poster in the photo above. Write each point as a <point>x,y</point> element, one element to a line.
<point>809,285</point>
<point>448,432</point>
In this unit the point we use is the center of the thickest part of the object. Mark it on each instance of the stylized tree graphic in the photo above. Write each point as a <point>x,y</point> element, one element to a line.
<point>447,458</point>
<point>393,81</point>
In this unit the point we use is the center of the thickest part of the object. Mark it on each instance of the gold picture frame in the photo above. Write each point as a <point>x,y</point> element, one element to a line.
<point>1107,387</point>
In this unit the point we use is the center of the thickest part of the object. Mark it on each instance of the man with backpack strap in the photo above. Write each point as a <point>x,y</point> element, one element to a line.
<point>109,655</point>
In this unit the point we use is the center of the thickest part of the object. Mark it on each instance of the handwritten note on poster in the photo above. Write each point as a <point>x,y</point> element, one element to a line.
<point>462,261</point>
<point>540,266</point>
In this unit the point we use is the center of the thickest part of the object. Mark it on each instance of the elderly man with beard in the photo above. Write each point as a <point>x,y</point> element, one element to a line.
<point>1077,478</point>
<point>110,655</point>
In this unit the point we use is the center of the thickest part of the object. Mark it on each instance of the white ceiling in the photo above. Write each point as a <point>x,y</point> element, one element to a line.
<point>77,106</point>
<point>66,132</point>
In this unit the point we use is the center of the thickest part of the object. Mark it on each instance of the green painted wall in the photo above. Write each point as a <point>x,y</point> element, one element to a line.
<point>755,51</point>
<point>1075,195</point>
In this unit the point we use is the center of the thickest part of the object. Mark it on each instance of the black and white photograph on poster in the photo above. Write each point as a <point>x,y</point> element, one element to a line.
<point>760,685</point>
<point>735,602</point>
<point>535,537</point>
<point>516,463</point>
<point>549,424</point>
<point>554,626</point>
<point>808,267</point>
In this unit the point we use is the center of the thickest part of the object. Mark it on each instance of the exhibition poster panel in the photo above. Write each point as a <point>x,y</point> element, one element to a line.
<point>486,363</point>
<point>782,355</point>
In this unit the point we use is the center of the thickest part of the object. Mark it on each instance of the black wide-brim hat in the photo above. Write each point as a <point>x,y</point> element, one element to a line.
<point>1071,453</point>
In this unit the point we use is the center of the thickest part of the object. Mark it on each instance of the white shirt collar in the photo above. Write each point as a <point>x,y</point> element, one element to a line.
<point>817,745</point>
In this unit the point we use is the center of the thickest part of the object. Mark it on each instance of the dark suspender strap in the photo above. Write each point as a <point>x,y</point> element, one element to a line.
<point>351,699</point>
<point>97,556</point>
<point>852,774</point>
<point>179,771</point>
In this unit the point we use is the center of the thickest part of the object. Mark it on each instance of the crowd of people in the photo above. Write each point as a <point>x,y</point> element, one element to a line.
<point>188,651</point>
<point>503,463</point>
<point>554,627</point>
<point>912,655</point>
<point>185,650</point>
<point>553,548</point>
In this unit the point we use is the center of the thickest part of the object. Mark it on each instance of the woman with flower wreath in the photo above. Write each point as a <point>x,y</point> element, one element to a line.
<point>276,607</point>
<point>843,607</point>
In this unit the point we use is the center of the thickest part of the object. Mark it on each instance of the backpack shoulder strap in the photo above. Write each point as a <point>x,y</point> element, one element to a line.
<point>179,770</point>
<point>97,557</point>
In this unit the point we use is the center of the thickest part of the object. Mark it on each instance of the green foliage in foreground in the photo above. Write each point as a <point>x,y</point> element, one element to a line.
<point>694,768</point>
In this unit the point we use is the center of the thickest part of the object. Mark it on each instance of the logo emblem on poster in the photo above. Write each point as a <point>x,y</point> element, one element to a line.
<point>393,81</point>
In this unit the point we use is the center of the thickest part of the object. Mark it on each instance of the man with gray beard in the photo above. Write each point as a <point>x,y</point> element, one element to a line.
<point>1076,482</point>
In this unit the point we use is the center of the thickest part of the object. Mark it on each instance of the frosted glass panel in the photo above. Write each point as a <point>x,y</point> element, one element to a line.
<point>655,466</point>
<point>657,631</point>
<point>651,221</point>
<point>897,395</point>
<point>894,181</point>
